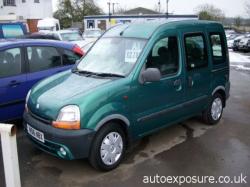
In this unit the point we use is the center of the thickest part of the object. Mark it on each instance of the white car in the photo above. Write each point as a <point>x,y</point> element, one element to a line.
<point>70,36</point>
<point>91,35</point>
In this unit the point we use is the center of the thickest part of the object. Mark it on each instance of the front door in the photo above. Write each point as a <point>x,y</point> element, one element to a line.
<point>197,72</point>
<point>156,104</point>
<point>12,84</point>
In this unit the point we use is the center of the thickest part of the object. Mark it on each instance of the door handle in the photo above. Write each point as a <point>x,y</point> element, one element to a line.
<point>177,82</point>
<point>190,81</point>
<point>14,83</point>
<point>177,85</point>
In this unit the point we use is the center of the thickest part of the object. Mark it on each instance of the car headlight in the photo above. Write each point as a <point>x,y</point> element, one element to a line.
<point>68,118</point>
<point>26,101</point>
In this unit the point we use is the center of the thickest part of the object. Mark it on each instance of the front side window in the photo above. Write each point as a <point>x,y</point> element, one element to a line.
<point>196,54</point>
<point>10,62</point>
<point>43,58</point>
<point>12,31</point>
<point>112,56</point>
<point>217,48</point>
<point>164,56</point>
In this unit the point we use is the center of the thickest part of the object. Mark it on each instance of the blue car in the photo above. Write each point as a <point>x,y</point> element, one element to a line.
<point>25,62</point>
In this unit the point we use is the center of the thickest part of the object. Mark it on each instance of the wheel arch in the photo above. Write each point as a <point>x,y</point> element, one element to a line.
<point>121,120</point>
<point>222,91</point>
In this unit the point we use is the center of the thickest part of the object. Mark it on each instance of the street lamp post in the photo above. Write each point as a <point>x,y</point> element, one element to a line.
<point>109,11</point>
<point>167,1</point>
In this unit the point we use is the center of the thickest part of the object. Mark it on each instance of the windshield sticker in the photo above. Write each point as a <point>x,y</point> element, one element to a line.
<point>131,55</point>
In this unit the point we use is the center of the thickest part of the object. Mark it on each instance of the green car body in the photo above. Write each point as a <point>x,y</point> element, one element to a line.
<point>139,107</point>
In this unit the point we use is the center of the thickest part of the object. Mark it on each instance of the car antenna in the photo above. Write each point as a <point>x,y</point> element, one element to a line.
<point>121,33</point>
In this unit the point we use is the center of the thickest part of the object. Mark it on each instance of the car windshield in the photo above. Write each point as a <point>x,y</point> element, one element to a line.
<point>112,56</point>
<point>71,36</point>
<point>92,34</point>
<point>45,29</point>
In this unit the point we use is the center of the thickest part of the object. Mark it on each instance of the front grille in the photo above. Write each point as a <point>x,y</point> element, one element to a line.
<point>46,121</point>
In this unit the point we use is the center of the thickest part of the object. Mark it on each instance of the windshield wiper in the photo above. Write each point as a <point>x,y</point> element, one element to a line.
<point>110,75</point>
<point>89,73</point>
<point>83,72</point>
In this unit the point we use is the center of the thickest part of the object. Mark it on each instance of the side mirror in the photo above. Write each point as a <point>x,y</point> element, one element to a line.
<point>151,75</point>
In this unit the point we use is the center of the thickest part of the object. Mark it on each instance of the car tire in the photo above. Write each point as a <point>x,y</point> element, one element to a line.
<point>213,113</point>
<point>108,147</point>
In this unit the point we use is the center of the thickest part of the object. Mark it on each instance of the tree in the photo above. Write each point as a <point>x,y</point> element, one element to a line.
<point>64,13</point>
<point>70,11</point>
<point>238,21</point>
<point>210,12</point>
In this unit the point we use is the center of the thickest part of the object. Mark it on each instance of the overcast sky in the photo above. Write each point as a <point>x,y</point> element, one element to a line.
<point>231,8</point>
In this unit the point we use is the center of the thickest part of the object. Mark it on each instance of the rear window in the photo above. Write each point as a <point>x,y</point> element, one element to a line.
<point>218,49</point>
<point>70,57</point>
<point>12,31</point>
<point>43,58</point>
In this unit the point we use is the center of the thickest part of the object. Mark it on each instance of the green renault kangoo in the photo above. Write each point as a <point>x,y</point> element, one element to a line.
<point>135,80</point>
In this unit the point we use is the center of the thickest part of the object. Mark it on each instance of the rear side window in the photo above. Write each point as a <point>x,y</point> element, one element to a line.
<point>43,58</point>
<point>10,62</point>
<point>12,31</point>
<point>196,53</point>
<point>218,51</point>
<point>69,57</point>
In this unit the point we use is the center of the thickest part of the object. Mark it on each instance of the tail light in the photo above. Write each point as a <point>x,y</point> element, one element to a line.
<point>78,50</point>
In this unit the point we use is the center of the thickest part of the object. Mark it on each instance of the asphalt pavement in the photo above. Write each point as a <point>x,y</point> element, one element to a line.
<point>190,148</point>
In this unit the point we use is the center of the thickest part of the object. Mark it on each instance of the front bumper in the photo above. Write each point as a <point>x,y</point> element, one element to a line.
<point>244,47</point>
<point>76,143</point>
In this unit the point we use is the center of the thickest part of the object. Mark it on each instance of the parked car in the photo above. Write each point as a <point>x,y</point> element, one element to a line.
<point>86,47</point>
<point>230,40</point>
<point>244,44</point>
<point>136,79</point>
<point>237,41</point>
<point>25,62</point>
<point>40,35</point>
<point>69,36</point>
<point>12,30</point>
<point>76,29</point>
<point>48,25</point>
<point>91,35</point>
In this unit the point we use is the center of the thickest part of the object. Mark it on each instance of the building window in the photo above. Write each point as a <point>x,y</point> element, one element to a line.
<point>9,2</point>
<point>23,1</point>
<point>36,1</point>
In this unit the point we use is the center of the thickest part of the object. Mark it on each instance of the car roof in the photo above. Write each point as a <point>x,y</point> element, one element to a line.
<point>146,30</point>
<point>65,31</point>
<point>4,43</point>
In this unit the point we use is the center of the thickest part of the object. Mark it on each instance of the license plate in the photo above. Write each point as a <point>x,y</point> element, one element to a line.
<point>35,133</point>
